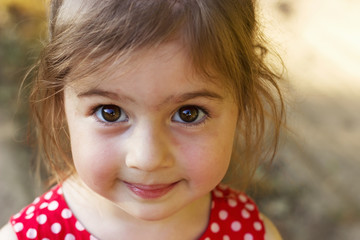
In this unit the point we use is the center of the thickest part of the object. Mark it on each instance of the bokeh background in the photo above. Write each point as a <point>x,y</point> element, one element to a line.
<point>312,190</point>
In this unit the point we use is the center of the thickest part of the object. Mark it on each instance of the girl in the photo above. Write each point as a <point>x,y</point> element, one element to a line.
<point>138,105</point>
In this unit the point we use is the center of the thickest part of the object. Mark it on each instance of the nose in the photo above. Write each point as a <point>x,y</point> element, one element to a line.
<point>149,148</point>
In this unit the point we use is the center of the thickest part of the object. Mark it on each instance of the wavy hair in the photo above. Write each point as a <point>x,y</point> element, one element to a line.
<point>222,38</point>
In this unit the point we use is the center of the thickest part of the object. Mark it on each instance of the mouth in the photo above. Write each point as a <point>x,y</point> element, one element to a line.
<point>150,191</point>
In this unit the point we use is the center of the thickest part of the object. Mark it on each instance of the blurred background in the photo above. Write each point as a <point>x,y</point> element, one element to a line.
<point>312,190</point>
<point>22,27</point>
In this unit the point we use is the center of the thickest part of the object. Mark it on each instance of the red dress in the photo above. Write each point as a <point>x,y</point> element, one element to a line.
<point>233,216</point>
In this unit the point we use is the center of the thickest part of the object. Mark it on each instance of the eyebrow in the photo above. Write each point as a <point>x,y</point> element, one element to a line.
<point>173,98</point>
<point>102,93</point>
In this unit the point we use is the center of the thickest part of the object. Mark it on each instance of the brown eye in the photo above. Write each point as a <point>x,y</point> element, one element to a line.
<point>110,113</point>
<point>188,113</point>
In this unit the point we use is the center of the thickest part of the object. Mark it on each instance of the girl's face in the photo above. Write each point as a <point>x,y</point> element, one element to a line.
<point>153,137</point>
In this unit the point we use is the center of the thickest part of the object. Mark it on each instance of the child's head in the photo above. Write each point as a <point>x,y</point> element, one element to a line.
<point>91,41</point>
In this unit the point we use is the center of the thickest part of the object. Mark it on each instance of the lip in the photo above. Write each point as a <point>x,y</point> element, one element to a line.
<point>150,191</point>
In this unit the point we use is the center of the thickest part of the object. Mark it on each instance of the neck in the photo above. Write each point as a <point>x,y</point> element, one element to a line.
<point>107,221</point>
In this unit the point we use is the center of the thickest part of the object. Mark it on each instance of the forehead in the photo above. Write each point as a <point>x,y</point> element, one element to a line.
<point>166,65</point>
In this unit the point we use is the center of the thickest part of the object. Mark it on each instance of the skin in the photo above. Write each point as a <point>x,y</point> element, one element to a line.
<point>149,170</point>
<point>151,145</point>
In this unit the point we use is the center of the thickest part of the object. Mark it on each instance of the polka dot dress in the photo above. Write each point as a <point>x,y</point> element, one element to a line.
<point>49,218</point>
<point>233,216</point>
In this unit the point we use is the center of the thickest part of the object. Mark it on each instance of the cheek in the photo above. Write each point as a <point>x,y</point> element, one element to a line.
<point>207,157</point>
<point>95,159</point>
<point>207,160</point>
<point>93,153</point>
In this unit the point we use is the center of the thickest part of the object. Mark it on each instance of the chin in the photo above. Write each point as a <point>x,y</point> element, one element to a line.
<point>152,213</point>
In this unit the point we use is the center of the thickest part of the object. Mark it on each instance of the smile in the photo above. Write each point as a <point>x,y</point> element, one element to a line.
<point>150,191</point>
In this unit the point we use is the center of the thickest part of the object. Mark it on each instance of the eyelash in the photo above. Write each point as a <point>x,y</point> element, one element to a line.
<point>194,124</point>
<point>206,116</point>
<point>105,123</point>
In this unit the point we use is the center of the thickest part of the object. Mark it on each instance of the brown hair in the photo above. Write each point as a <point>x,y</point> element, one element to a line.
<point>220,35</point>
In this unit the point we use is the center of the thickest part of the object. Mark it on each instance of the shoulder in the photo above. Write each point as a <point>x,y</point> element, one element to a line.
<point>243,209</point>
<point>235,214</point>
<point>271,231</point>
<point>30,221</point>
<point>7,233</point>
<point>47,217</point>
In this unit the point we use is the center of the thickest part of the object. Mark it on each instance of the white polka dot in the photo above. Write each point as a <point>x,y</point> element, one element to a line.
<point>250,207</point>
<point>41,219</point>
<point>69,236</point>
<point>207,238</point>
<point>93,238</point>
<point>66,213</point>
<point>236,226</point>
<point>218,193</point>
<point>36,200</point>
<point>30,210</point>
<point>242,198</point>
<point>79,226</point>
<point>232,203</point>
<point>53,206</point>
<point>17,215</point>
<point>223,214</point>
<point>18,227</point>
<point>31,233</point>
<point>44,205</point>
<point>215,227</point>
<point>45,239</point>
<point>48,195</point>
<point>245,214</point>
<point>257,226</point>
<point>29,216</point>
<point>248,236</point>
<point>60,191</point>
<point>56,228</point>
<point>226,237</point>
<point>212,204</point>
<point>223,187</point>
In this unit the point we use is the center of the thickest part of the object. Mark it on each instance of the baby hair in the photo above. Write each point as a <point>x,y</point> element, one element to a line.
<point>222,40</point>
